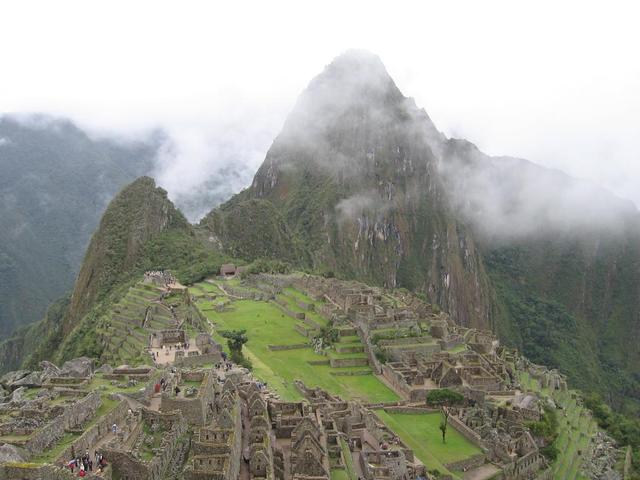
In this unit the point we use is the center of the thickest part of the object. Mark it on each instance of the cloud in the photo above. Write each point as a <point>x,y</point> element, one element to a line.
<point>361,204</point>
<point>4,141</point>
<point>506,198</point>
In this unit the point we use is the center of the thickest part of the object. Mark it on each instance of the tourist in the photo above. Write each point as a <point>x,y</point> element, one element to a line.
<point>114,429</point>
<point>177,390</point>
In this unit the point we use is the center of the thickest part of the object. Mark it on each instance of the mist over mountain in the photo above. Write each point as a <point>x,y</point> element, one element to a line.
<point>361,179</point>
<point>56,181</point>
<point>361,184</point>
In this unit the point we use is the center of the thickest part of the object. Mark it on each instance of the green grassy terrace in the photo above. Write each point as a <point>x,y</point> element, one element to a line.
<point>267,325</point>
<point>421,433</point>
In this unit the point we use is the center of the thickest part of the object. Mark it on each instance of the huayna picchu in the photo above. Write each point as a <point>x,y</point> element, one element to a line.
<point>351,315</point>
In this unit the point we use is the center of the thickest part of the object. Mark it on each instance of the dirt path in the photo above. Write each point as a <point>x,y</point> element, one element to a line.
<point>227,293</point>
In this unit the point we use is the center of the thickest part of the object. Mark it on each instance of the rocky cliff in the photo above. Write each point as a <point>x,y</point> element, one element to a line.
<point>354,173</point>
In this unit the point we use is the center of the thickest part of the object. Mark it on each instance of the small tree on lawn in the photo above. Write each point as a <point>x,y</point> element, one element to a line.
<point>445,399</point>
<point>235,340</point>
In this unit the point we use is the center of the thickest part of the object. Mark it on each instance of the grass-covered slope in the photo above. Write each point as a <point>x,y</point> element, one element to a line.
<point>138,214</point>
<point>252,229</point>
<point>268,326</point>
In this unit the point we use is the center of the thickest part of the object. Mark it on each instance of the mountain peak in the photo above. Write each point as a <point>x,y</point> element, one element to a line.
<point>354,76</point>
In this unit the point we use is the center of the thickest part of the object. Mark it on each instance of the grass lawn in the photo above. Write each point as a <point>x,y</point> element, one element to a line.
<point>339,474</point>
<point>421,433</point>
<point>267,325</point>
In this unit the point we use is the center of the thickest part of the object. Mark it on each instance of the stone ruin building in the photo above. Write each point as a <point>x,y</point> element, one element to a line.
<point>211,423</point>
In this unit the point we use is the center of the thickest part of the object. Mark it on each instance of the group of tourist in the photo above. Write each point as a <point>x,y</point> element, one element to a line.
<point>226,366</point>
<point>85,463</point>
<point>167,348</point>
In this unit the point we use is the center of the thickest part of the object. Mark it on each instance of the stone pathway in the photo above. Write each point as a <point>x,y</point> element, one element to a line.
<point>482,472</point>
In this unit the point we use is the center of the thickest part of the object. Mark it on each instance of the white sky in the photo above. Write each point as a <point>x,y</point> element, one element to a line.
<point>556,82</point>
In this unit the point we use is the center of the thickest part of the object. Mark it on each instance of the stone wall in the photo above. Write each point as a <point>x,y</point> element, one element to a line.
<point>295,346</point>
<point>194,410</point>
<point>368,348</point>
<point>467,432</point>
<point>348,362</point>
<point>396,381</point>
<point>197,360</point>
<point>98,431</point>
<point>73,416</point>
<point>467,463</point>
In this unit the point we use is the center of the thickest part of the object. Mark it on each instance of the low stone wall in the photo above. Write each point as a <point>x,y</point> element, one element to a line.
<point>388,342</point>
<point>350,349</point>
<point>197,360</point>
<point>348,362</point>
<point>98,431</point>
<point>301,330</point>
<point>127,376</point>
<point>73,416</point>
<point>295,346</point>
<point>467,463</point>
<point>411,410</point>
<point>348,332</point>
<point>351,373</point>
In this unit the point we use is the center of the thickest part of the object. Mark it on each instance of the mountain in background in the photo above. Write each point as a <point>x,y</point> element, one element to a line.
<point>361,184</point>
<point>140,230</point>
<point>56,182</point>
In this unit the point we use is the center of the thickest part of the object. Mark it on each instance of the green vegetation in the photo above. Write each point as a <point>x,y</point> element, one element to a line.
<point>268,325</point>
<point>421,432</point>
<point>348,459</point>
<point>563,306</point>
<point>235,340</point>
<point>547,429</point>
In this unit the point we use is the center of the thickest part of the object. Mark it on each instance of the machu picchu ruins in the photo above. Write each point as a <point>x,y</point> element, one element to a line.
<point>338,389</point>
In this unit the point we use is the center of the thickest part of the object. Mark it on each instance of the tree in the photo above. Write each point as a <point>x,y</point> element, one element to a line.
<point>445,399</point>
<point>235,340</point>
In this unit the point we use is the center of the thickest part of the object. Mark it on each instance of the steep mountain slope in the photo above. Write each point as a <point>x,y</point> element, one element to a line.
<point>368,188</point>
<point>564,258</point>
<point>55,183</point>
<point>140,230</point>
<point>138,213</point>
<point>354,175</point>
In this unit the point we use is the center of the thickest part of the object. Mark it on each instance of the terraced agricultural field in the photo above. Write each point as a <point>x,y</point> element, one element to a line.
<point>267,325</point>
<point>576,427</point>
